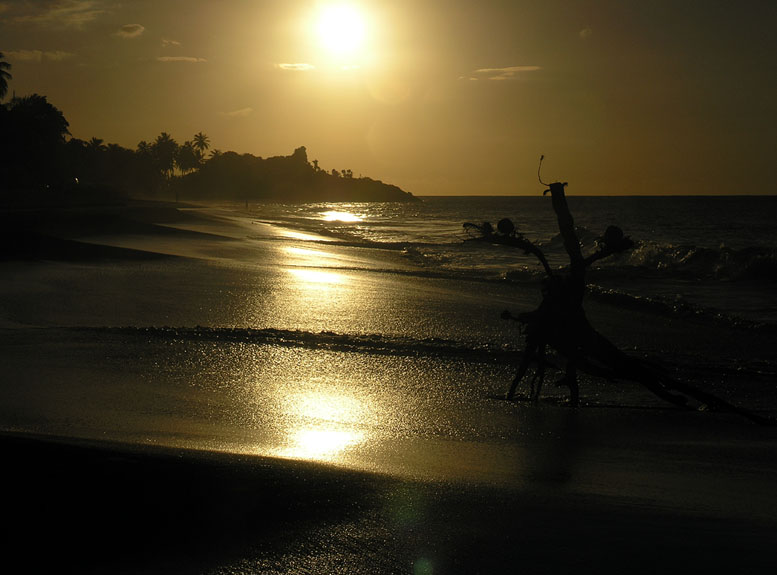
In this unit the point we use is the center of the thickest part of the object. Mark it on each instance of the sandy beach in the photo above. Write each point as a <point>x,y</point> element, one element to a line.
<point>188,389</point>
<point>126,509</point>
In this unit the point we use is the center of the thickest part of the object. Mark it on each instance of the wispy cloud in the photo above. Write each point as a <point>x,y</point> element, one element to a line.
<point>499,74</point>
<point>190,59</point>
<point>241,113</point>
<point>586,33</point>
<point>299,67</point>
<point>38,55</point>
<point>168,43</point>
<point>67,13</point>
<point>130,31</point>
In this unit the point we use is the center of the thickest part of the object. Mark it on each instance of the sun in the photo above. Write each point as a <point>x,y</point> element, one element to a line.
<point>341,29</point>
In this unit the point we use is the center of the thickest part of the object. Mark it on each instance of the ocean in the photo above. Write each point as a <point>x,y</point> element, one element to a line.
<point>713,257</point>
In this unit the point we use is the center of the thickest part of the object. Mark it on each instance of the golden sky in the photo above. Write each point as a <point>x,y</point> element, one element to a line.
<point>436,96</point>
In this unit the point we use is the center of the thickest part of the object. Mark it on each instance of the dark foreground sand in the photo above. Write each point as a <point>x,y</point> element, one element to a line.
<point>106,508</point>
<point>54,233</point>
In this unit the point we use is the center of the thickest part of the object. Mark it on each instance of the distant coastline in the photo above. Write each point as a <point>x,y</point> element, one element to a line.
<point>232,176</point>
<point>41,164</point>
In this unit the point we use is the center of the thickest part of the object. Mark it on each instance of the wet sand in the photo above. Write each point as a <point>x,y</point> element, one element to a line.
<point>453,481</point>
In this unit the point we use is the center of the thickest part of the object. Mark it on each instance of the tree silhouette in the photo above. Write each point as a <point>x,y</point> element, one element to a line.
<point>144,148</point>
<point>33,142</point>
<point>96,145</point>
<point>41,117</point>
<point>164,150</point>
<point>4,76</point>
<point>187,157</point>
<point>201,143</point>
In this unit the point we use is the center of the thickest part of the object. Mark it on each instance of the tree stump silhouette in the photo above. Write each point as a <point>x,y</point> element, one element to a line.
<point>560,322</point>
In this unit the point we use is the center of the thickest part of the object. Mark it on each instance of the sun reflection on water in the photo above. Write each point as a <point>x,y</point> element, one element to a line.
<point>338,216</point>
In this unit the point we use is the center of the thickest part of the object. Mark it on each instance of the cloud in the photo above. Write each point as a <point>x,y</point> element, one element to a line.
<point>300,67</point>
<point>39,55</point>
<point>130,31</point>
<point>241,113</point>
<point>499,74</point>
<point>167,43</point>
<point>586,33</point>
<point>67,13</point>
<point>190,59</point>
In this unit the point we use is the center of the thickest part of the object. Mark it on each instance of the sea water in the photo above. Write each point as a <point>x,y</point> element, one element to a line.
<point>708,256</point>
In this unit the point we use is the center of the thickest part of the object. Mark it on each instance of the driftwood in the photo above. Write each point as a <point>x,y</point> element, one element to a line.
<point>560,322</point>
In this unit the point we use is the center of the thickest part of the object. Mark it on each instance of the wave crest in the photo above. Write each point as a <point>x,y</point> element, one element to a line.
<point>751,263</point>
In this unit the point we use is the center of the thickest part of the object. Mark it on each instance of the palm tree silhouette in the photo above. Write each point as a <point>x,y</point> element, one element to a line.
<point>201,143</point>
<point>187,158</point>
<point>97,145</point>
<point>165,148</point>
<point>144,148</point>
<point>4,76</point>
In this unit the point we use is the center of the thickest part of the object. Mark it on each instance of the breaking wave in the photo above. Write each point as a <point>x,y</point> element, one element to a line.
<point>676,307</point>
<point>723,263</point>
<point>378,344</point>
<point>373,344</point>
<point>686,261</point>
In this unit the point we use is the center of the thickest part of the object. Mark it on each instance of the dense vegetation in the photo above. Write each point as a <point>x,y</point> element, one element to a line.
<point>39,160</point>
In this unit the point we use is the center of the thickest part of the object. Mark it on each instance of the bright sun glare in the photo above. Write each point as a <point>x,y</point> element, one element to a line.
<point>341,29</point>
<point>337,216</point>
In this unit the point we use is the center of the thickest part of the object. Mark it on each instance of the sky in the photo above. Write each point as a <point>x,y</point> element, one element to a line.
<point>437,96</point>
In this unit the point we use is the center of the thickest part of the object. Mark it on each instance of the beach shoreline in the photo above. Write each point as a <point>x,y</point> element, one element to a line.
<point>296,433</point>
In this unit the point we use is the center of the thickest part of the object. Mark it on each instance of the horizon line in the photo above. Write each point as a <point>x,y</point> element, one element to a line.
<point>598,195</point>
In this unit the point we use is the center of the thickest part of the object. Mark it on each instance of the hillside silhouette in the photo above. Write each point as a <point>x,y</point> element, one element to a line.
<point>291,178</point>
<point>41,163</point>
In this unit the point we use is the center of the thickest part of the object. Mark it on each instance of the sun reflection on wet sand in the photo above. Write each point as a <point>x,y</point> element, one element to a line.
<point>307,254</point>
<point>317,278</point>
<point>299,257</point>
<point>327,406</point>
<point>321,425</point>
<point>320,444</point>
<point>326,296</point>
<point>284,233</point>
